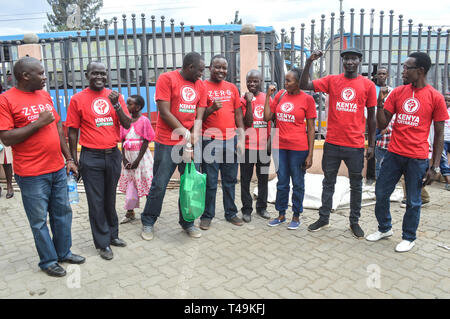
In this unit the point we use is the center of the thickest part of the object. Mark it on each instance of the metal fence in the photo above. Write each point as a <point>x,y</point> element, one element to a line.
<point>136,55</point>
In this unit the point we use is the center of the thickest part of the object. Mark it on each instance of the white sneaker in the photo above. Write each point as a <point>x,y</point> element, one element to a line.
<point>379,235</point>
<point>147,233</point>
<point>404,246</point>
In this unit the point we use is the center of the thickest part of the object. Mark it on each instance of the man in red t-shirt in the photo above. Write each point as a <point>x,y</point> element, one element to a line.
<point>415,105</point>
<point>257,132</point>
<point>181,100</point>
<point>349,93</point>
<point>30,124</point>
<point>97,113</point>
<point>220,143</point>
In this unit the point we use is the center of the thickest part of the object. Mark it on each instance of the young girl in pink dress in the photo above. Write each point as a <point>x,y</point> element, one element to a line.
<point>137,163</point>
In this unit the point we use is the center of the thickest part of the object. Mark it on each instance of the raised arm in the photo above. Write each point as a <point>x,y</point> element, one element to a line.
<point>124,119</point>
<point>248,118</point>
<point>268,115</point>
<point>383,116</point>
<point>305,81</point>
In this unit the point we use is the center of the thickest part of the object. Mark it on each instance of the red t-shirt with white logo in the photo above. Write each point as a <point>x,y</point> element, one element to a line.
<point>92,112</point>
<point>415,109</point>
<point>347,99</point>
<point>184,97</point>
<point>291,112</point>
<point>221,124</point>
<point>41,152</point>
<point>256,136</point>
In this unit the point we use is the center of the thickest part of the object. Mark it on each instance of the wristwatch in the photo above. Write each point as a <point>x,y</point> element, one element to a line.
<point>437,170</point>
<point>117,106</point>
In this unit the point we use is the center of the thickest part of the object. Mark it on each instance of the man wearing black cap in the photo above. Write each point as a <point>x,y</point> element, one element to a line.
<point>348,94</point>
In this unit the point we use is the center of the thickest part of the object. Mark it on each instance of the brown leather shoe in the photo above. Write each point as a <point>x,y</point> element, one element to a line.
<point>205,224</point>
<point>236,221</point>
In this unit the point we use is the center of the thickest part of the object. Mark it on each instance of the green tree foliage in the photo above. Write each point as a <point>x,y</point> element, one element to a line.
<point>72,15</point>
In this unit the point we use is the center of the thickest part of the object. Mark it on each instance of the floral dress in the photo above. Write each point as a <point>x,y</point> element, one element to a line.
<point>141,176</point>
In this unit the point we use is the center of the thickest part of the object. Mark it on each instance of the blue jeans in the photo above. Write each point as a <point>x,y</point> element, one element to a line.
<point>331,161</point>
<point>392,168</point>
<point>42,194</point>
<point>379,155</point>
<point>445,168</point>
<point>289,164</point>
<point>167,159</point>
<point>220,155</point>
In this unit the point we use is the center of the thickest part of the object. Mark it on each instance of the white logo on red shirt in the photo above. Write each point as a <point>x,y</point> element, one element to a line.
<point>348,94</point>
<point>258,113</point>
<point>100,106</point>
<point>188,94</point>
<point>287,107</point>
<point>411,105</point>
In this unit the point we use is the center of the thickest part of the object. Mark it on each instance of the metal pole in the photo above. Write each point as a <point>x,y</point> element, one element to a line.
<point>136,56</point>
<point>108,54</point>
<point>116,47</point>
<point>399,57</point>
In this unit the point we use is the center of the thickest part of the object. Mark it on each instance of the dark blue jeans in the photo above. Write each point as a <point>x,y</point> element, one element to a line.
<point>445,168</point>
<point>42,194</point>
<point>353,158</point>
<point>379,155</point>
<point>289,164</point>
<point>220,156</point>
<point>392,168</point>
<point>167,159</point>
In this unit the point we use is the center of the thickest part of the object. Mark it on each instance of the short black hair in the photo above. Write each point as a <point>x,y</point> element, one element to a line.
<point>89,65</point>
<point>23,65</point>
<point>218,56</point>
<point>139,100</point>
<point>423,60</point>
<point>191,58</point>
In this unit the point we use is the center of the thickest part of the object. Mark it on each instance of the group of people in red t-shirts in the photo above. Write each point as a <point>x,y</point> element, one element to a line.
<point>209,123</point>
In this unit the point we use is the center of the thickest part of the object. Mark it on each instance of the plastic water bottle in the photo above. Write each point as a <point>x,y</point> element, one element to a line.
<point>72,189</point>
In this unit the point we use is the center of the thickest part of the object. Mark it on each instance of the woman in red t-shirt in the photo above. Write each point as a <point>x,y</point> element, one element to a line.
<point>291,143</point>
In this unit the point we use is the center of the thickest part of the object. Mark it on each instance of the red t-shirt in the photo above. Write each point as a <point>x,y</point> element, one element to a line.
<point>291,112</point>
<point>347,99</point>
<point>217,123</point>
<point>184,97</point>
<point>41,152</point>
<point>92,112</point>
<point>415,109</point>
<point>256,136</point>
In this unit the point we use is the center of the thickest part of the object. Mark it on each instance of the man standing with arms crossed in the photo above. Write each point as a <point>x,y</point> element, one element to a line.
<point>31,125</point>
<point>181,100</point>
<point>416,105</point>
<point>349,93</point>
<point>97,113</point>
<point>220,144</point>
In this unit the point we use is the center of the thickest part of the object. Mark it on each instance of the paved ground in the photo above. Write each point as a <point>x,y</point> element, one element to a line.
<point>252,261</point>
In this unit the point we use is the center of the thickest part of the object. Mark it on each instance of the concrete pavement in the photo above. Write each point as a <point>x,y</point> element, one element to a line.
<point>252,261</point>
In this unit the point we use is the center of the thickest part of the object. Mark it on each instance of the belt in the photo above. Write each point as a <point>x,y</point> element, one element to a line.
<point>97,150</point>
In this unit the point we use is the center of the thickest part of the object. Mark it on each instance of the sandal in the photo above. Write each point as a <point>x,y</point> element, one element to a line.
<point>128,218</point>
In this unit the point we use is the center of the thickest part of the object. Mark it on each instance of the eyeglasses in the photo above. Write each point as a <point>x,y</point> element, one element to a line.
<point>405,67</point>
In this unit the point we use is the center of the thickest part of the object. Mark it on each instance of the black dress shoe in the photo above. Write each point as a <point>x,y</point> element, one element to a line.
<point>73,259</point>
<point>106,253</point>
<point>264,214</point>
<point>118,242</point>
<point>55,270</point>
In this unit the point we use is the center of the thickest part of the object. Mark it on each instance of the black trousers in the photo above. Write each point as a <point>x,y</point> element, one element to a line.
<point>101,173</point>
<point>252,158</point>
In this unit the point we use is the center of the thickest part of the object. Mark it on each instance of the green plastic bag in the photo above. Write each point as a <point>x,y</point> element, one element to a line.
<point>192,193</point>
